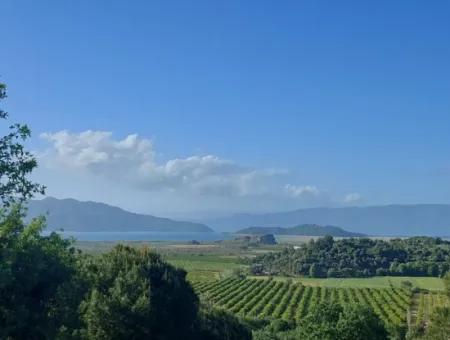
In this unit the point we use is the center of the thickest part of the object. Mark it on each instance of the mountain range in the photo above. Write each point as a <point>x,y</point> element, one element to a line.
<point>72,215</point>
<point>303,229</point>
<point>389,220</point>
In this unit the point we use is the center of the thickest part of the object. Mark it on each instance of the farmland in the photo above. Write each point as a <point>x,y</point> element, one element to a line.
<point>219,274</point>
<point>427,302</point>
<point>426,283</point>
<point>290,301</point>
<point>209,262</point>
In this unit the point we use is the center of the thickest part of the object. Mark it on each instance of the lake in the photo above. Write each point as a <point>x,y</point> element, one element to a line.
<point>144,236</point>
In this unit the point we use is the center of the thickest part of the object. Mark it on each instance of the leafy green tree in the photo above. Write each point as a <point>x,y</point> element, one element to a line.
<point>334,322</point>
<point>16,163</point>
<point>316,271</point>
<point>360,322</point>
<point>217,325</point>
<point>359,257</point>
<point>136,295</point>
<point>34,270</point>
<point>267,239</point>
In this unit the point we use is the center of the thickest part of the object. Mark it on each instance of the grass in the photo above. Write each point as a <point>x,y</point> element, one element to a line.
<point>203,262</point>
<point>207,262</point>
<point>429,283</point>
<point>204,267</point>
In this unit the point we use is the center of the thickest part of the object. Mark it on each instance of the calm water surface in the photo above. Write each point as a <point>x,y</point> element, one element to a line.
<point>144,236</point>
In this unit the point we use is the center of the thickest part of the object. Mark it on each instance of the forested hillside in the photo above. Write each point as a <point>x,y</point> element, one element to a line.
<point>359,257</point>
<point>303,229</point>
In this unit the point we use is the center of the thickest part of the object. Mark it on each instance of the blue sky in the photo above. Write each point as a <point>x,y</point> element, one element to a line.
<point>237,105</point>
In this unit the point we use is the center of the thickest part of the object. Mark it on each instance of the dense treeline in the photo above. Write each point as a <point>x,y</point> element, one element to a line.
<point>359,257</point>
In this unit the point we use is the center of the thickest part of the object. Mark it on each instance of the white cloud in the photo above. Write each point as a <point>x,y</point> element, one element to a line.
<point>353,198</point>
<point>133,159</point>
<point>129,172</point>
<point>301,191</point>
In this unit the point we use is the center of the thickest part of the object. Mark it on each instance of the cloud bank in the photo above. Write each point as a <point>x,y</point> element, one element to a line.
<point>129,172</point>
<point>133,159</point>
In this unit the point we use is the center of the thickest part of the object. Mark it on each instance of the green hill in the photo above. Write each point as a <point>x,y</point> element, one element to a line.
<point>302,229</point>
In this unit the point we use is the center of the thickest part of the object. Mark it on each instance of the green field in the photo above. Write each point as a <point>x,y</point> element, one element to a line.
<point>203,262</point>
<point>209,262</point>
<point>204,267</point>
<point>426,303</point>
<point>291,300</point>
<point>429,283</point>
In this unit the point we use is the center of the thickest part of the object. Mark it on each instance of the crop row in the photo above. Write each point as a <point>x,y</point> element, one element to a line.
<point>427,303</point>
<point>288,300</point>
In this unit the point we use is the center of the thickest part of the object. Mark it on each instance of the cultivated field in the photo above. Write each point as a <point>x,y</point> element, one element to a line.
<point>428,283</point>
<point>290,300</point>
<point>426,303</point>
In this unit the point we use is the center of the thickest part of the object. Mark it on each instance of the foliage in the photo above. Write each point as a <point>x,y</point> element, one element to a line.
<point>15,163</point>
<point>239,273</point>
<point>284,302</point>
<point>439,327</point>
<point>359,257</point>
<point>302,229</point>
<point>35,270</point>
<point>332,322</point>
<point>217,324</point>
<point>135,294</point>
<point>268,239</point>
<point>38,277</point>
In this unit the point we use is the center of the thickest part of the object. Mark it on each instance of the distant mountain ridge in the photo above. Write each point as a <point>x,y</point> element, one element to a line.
<point>303,229</point>
<point>389,220</point>
<point>72,215</point>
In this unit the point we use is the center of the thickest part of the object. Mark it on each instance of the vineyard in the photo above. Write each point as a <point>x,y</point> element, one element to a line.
<point>272,299</point>
<point>427,303</point>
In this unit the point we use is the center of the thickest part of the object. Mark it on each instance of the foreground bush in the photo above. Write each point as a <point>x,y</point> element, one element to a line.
<point>135,294</point>
<point>332,322</point>
<point>218,324</point>
<point>35,273</point>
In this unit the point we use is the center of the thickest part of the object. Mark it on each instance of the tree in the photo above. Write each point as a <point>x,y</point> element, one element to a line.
<point>316,271</point>
<point>267,239</point>
<point>16,163</point>
<point>335,322</point>
<point>360,322</point>
<point>34,270</point>
<point>218,324</point>
<point>136,295</point>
